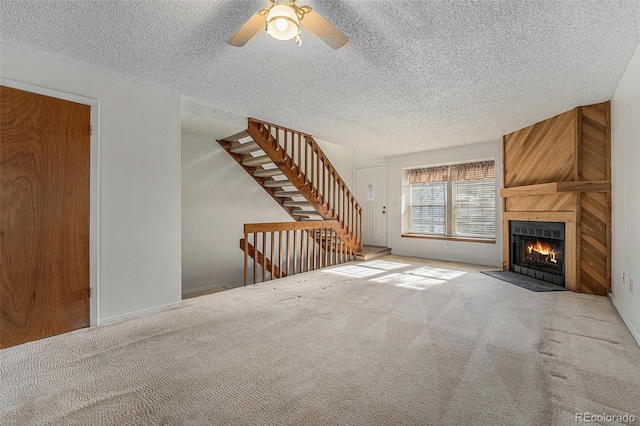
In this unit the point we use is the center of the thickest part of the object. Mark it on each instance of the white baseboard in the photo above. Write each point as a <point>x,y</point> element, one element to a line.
<point>634,332</point>
<point>206,287</point>
<point>118,318</point>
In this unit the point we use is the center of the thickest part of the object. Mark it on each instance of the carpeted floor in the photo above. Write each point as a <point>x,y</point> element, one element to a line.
<point>390,341</point>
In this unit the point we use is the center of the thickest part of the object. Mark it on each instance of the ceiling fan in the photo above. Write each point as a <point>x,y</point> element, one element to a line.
<point>282,21</point>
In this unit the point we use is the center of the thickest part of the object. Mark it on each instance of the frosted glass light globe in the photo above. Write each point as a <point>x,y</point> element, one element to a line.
<point>281,24</point>
<point>282,21</point>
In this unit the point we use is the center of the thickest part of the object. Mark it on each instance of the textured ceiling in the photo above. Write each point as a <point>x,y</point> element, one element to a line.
<point>415,75</point>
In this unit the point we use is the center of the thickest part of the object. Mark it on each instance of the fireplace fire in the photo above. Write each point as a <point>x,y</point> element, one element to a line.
<point>540,252</point>
<point>537,250</point>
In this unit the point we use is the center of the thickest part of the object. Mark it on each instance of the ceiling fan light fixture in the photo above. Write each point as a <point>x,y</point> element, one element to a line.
<point>282,21</point>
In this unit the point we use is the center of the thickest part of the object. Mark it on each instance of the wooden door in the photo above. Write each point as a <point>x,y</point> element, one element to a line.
<point>44,216</point>
<point>371,193</point>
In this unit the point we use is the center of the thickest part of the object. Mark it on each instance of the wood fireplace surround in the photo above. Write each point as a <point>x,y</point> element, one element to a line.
<point>559,170</point>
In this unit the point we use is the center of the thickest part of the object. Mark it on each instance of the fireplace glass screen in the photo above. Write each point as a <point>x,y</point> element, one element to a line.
<point>537,250</point>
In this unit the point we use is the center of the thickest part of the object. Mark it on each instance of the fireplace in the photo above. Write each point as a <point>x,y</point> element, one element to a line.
<point>537,249</point>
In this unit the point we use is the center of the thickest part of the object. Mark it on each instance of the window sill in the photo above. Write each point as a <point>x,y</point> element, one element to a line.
<point>442,237</point>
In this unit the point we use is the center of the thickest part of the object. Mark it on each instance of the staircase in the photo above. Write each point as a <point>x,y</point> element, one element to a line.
<point>293,170</point>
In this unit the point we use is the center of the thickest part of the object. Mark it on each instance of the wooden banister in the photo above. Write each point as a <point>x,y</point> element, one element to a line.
<point>287,248</point>
<point>305,164</point>
<point>250,251</point>
<point>314,245</point>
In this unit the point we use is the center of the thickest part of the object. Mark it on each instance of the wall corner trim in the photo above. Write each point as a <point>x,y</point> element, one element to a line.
<point>635,333</point>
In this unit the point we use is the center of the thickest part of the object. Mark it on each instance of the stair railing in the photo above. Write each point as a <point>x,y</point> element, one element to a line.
<point>276,250</point>
<point>301,153</point>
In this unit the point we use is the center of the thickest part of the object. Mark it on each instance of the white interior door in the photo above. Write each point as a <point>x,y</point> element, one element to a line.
<point>371,192</point>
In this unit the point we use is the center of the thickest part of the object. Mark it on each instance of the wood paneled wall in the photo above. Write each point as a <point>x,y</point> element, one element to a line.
<point>594,213</point>
<point>571,147</point>
<point>544,152</point>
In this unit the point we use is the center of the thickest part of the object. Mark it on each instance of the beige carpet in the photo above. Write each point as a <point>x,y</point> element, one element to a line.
<point>390,341</point>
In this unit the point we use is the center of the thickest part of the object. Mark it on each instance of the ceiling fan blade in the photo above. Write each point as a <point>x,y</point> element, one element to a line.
<point>322,28</point>
<point>248,30</point>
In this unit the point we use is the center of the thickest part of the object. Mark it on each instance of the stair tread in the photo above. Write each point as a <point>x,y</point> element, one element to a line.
<point>257,161</point>
<point>277,183</point>
<point>237,136</point>
<point>305,212</point>
<point>372,252</point>
<point>287,194</point>
<point>245,148</point>
<point>267,173</point>
<point>296,204</point>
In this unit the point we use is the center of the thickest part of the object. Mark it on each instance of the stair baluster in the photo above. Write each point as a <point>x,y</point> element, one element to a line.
<point>298,158</point>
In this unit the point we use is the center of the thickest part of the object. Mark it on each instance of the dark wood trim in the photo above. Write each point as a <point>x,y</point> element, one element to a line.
<point>259,122</point>
<point>286,226</point>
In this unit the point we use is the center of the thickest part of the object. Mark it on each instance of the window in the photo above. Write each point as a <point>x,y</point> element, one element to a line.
<point>453,201</point>
<point>427,213</point>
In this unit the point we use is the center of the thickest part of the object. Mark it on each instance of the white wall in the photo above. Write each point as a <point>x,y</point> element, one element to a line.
<point>139,157</point>
<point>341,158</point>
<point>218,198</point>
<point>625,195</point>
<point>477,253</point>
<point>345,160</point>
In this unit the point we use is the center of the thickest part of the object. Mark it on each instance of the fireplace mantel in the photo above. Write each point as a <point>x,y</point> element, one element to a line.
<point>559,170</point>
<point>556,188</point>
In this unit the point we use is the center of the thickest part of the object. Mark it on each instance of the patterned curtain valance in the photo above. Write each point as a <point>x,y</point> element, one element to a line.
<point>429,174</point>
<point>473,171</point>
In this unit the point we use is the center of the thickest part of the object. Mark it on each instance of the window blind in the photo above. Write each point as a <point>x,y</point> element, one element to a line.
<point>428,208</point>
<point>474,208</point>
